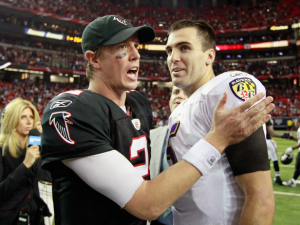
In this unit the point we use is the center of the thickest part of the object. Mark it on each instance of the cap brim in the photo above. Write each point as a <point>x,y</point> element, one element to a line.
<point>144,33</point>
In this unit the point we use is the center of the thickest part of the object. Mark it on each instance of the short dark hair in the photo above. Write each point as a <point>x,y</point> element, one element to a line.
<point>89,67</point>
<point>205,31</point>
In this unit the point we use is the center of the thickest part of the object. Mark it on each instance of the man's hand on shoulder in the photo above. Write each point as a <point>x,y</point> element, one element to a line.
<point>234,125</point>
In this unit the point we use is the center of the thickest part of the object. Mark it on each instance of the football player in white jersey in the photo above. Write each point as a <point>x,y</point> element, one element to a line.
<point>293,182</point>
<point>238,189</point>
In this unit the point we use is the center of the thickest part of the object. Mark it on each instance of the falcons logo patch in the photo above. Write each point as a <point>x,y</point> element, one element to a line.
<point>60,122</point>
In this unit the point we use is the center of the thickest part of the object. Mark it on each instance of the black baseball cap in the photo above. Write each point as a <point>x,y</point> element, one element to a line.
<point>112,29</point>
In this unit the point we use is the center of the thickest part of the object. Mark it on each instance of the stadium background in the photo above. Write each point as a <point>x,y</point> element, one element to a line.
<point>41,40</point>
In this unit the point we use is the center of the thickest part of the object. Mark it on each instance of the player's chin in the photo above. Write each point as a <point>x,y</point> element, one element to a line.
<point>177,82</point>
<point>131,86</point>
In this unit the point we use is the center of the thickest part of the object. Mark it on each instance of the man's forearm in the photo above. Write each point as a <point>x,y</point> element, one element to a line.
<point>257,210</point>
<point>296,146</point>
<point>153,197</point>
<point>259,198</point>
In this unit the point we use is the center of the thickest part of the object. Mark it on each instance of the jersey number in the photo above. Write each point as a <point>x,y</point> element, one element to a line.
<point>138,145</point>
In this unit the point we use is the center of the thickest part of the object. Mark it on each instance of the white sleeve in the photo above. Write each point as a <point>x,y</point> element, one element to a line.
<point>203,156</point>
<point>109,173</point>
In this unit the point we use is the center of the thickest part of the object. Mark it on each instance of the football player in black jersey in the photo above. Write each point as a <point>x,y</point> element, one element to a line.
<point>96,142</point>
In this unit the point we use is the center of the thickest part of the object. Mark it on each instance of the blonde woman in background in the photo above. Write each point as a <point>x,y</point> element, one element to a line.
<point>20,167</point>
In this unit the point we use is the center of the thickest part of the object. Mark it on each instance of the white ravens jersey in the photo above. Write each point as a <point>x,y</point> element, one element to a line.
<point>216,197</point>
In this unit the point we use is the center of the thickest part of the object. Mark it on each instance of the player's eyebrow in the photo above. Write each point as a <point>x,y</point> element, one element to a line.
<point>178,44</point>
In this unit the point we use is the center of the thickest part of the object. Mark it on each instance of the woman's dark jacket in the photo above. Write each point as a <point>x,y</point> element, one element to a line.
<point>19,189</point>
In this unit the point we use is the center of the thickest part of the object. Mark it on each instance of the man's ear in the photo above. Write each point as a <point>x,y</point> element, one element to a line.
<point>91,57</point>
<point>211,54</point>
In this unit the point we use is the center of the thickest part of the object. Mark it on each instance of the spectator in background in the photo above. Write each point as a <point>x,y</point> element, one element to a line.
<point>39,127</point>
<point>177,96</point>
<point>159,141</point>
<point>20,167</point>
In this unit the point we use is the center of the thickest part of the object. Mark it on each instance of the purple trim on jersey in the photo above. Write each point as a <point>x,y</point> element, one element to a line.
<point>171,156</point>
<point>174,129</point>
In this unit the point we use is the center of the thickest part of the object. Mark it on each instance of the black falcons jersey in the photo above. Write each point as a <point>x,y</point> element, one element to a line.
<point>82,123</point>
<point>269,123</point>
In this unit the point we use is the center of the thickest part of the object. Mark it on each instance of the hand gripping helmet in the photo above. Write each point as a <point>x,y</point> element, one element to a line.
<point>286,158</point>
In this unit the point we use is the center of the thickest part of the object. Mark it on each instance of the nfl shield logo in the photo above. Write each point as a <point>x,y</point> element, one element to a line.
<point>136,123</point>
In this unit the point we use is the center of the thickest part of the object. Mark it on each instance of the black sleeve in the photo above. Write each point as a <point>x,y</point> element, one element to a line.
<point>74,131</point>
<point>250,155</point>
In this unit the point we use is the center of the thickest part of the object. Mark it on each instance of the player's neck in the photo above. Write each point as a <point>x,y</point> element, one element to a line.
<point>117,97</point>
<point>209,74</point>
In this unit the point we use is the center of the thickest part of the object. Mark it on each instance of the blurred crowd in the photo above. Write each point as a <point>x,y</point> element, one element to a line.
<point>223,17</point>
<point>287,101</point>
<point>42,58</point>
<point>150,68</point>
<point>274,69</point>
